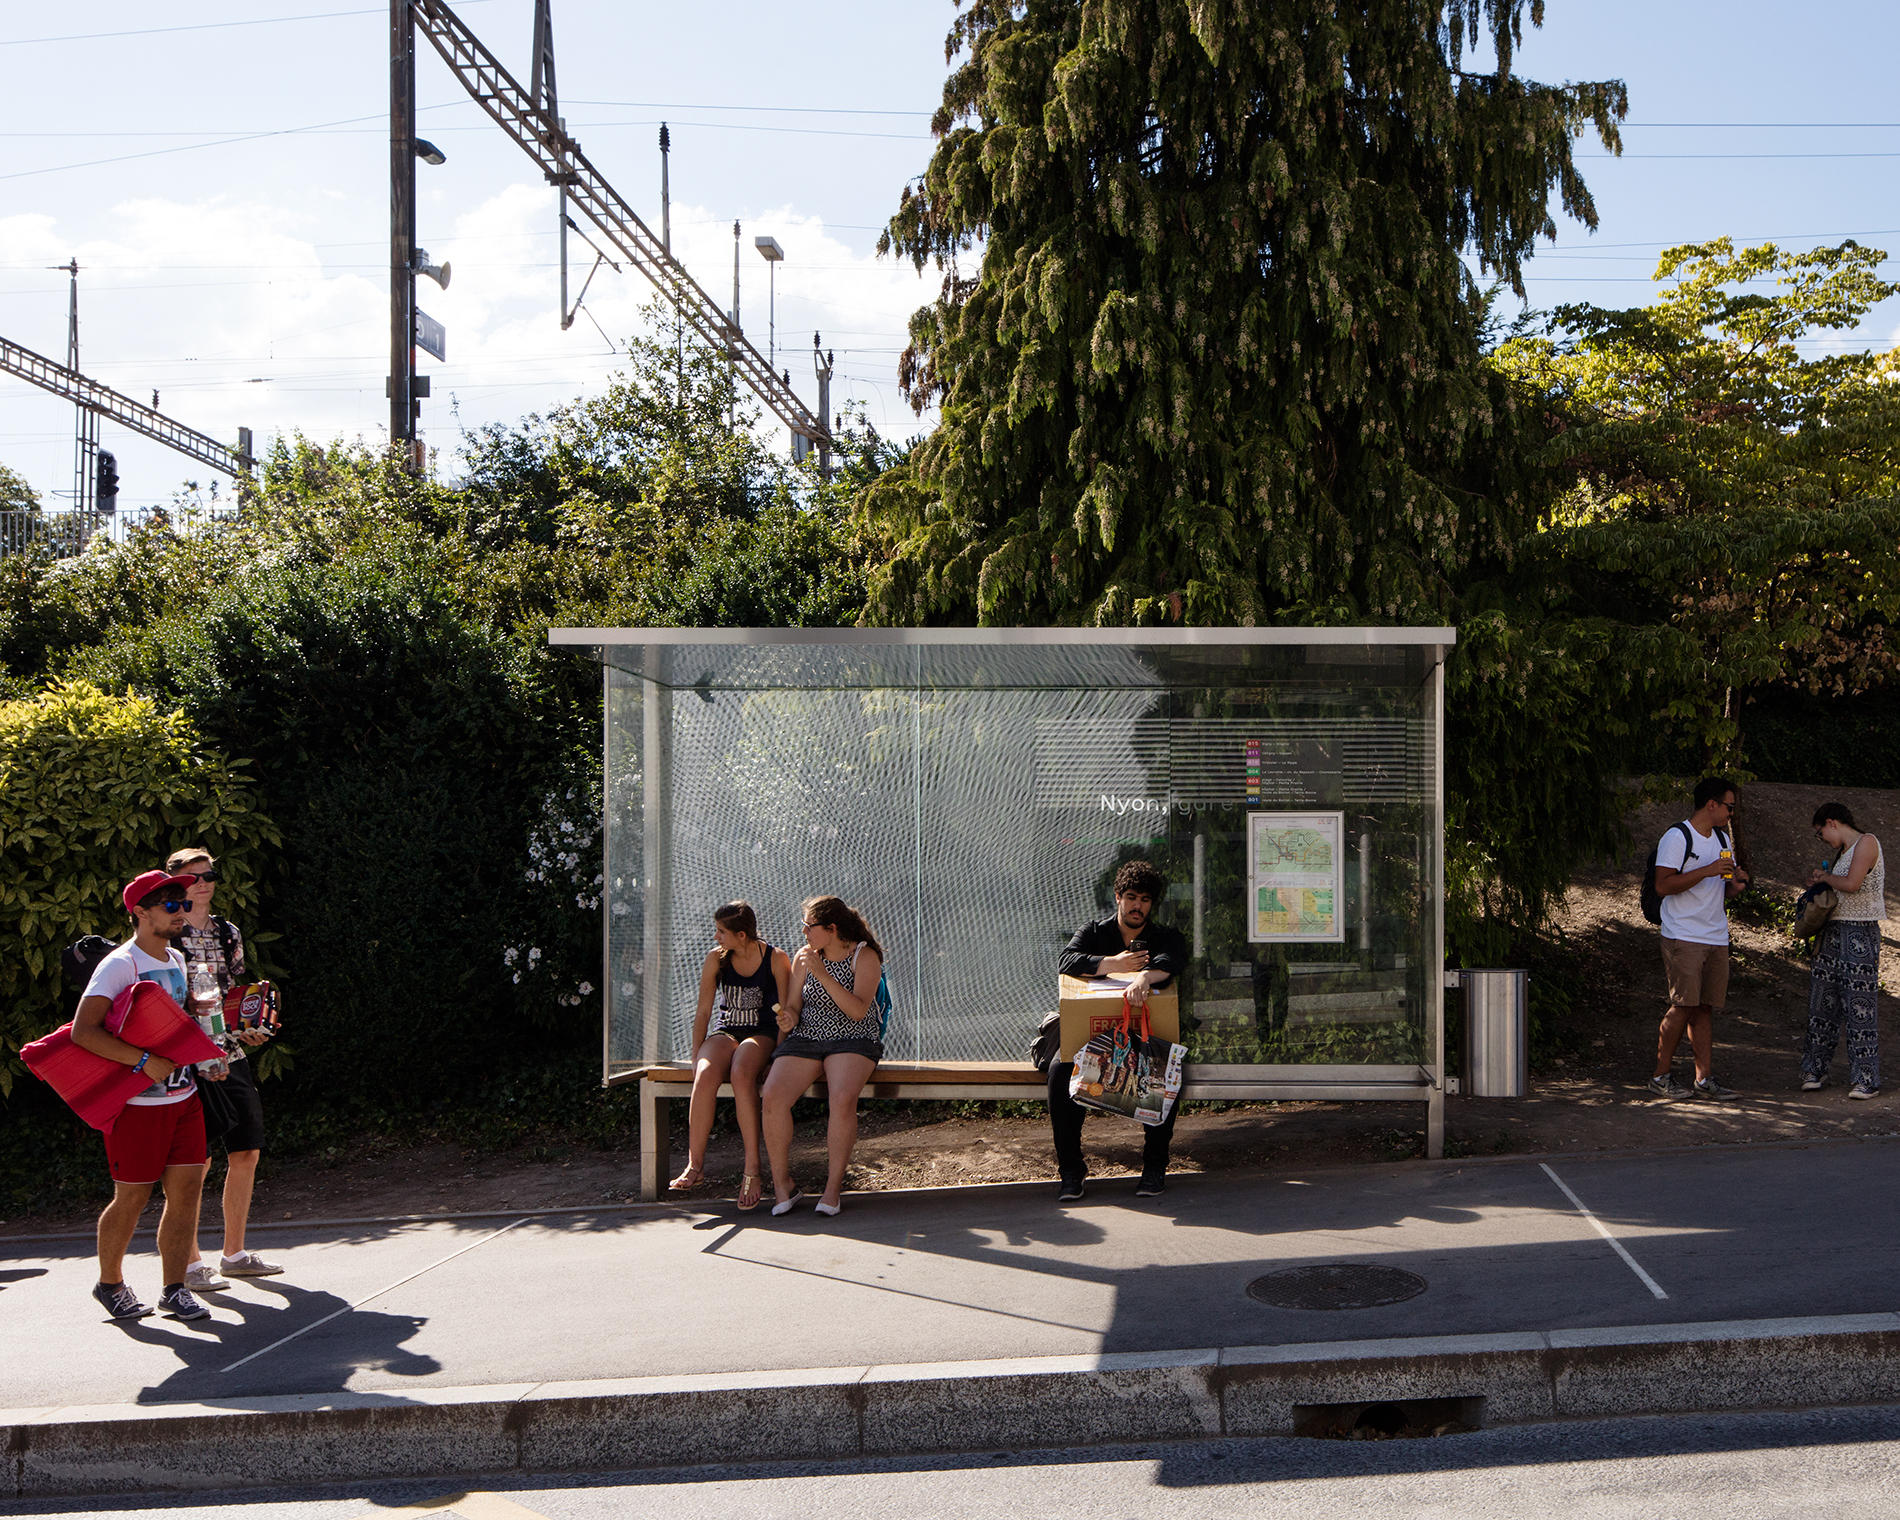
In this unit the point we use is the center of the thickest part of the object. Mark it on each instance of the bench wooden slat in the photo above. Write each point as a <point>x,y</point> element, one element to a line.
<point>903,1074</point>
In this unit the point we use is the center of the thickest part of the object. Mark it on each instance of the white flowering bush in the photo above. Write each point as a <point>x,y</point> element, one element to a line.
<point>553,954</point>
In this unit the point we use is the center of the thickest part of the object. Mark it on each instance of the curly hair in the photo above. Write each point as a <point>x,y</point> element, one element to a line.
<point>1139,876</point>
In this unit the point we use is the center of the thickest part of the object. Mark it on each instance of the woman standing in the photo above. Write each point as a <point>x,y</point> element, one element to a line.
<point>1846,978</point>
<point>214,964</point>
<point>831,1027</point>
<point>746,981</point>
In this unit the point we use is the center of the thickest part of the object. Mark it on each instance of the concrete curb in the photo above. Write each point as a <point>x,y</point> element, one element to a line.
<point>846,1412</point>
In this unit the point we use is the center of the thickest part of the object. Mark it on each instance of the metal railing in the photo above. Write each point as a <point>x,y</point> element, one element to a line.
<point>64,534</point>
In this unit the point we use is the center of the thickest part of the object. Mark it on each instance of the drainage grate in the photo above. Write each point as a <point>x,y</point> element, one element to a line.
<point>1336,1287</point>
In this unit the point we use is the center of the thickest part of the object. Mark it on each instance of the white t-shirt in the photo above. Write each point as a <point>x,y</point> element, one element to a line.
<point>118,971</point>
<point>1695,916</point>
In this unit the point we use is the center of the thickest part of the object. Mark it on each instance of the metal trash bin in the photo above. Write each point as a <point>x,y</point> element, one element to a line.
<point>1495,1057</point>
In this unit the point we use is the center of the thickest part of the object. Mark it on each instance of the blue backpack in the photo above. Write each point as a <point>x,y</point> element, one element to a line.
<point>881,999</point>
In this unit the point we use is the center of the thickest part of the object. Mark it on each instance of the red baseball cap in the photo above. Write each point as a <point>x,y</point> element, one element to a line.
<point>141,887</point>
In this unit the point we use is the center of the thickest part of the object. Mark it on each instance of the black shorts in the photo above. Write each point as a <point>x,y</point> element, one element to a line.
<point>234,1111</point>
<point>817,1050</point>
<point>743,1032</point>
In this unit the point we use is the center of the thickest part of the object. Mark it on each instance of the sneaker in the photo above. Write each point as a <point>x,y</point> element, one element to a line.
<point>119,1301</point>
<point>247,1264</point>
<point>179,1304</point>
<point>1713,1090</point>
<point>1667,1086</point>
<point>1812,1084</point>
<point>202,1277</point>
<point>1071,1190</point>
<point>1862,1090</point>
<point>1152,1185</point>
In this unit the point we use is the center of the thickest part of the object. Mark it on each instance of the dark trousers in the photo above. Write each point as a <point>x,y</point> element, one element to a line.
<point>1065,1119</point>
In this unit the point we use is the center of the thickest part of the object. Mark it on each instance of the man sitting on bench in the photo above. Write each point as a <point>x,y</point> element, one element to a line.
<point>1152,955</point>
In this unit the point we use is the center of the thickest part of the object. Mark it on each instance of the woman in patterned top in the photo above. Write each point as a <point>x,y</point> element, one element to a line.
<point>1844,986</point>
<point>744,982</point>
<point>830,1029</point>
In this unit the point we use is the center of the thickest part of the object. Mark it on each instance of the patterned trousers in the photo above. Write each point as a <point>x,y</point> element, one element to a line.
<point>1844,990</point>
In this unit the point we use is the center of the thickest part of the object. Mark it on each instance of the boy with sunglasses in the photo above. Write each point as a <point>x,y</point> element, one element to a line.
<point>160,1136</point>
<point>234,1113</point>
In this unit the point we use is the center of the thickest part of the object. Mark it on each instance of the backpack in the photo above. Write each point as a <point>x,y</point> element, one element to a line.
<point>881,999</point>
<point>81,958</point>
<point>1652,899</point>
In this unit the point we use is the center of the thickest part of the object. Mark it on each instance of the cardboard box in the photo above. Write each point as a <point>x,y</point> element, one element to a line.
<point>1091,1004</point>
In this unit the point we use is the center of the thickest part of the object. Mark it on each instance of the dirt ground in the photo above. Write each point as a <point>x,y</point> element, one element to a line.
<point>1593,1098</point>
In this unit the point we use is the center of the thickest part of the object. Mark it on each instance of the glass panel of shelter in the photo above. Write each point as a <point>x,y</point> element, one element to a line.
<point>975,802</point>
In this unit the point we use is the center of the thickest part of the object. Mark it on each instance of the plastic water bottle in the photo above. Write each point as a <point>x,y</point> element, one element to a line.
<point>207,1007</point>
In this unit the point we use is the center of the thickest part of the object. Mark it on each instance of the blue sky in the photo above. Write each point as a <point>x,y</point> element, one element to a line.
<point>244,279</point>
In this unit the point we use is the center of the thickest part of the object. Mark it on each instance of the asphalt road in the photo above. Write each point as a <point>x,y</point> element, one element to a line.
<point>977,1273</point>
<point>1737,1467</point>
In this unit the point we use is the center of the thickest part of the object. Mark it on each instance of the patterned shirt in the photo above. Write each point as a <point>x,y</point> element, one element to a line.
<point>821,1018</point>
<point>204,954</point>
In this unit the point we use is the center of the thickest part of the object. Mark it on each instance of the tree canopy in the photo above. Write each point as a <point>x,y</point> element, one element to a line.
<point>1706,477</point>
<point>1219,359</point>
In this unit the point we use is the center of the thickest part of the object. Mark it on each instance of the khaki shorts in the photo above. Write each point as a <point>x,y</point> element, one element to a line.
<point>1698,974</point>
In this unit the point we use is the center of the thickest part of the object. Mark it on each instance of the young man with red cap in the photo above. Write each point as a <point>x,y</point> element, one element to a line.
<point>161,1134</point>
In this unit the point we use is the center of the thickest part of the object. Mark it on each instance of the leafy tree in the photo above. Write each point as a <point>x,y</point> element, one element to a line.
<point>15,494</point>
<point>1708,478</point>
<point>1220,358</point>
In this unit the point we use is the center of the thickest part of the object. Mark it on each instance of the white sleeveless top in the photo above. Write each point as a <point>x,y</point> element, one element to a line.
<point>1869,904</point>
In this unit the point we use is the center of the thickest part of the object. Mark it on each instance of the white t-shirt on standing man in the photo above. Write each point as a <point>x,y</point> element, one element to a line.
<point>119,970</point>
<point>1695,916</point>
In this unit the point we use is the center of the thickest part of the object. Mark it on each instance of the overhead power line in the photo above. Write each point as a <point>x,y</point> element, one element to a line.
<point>201,26</point>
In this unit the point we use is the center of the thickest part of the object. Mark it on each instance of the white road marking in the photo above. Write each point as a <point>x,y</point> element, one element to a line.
<point>1615,1244</point>
<point>379,1293</point>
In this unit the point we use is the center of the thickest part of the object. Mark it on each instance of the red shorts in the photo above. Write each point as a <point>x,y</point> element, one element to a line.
<point>148,1137</point>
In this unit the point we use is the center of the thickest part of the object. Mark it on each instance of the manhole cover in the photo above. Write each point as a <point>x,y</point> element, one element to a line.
<point>1352,1287</point>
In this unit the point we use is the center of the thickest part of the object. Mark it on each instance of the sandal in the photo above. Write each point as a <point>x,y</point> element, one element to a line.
<point>687,1180</point>
<point>750,1188</point>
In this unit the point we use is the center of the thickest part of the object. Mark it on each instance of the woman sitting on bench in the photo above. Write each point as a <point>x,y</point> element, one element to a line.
<point>745,982</point>
<point>830,1028</point>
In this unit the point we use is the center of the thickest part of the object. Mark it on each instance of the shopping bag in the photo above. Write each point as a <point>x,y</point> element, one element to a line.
<point>1129,1073</point>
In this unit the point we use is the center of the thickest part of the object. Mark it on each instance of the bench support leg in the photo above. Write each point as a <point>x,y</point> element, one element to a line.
<point>1435,1122</point>
<point>656,1124</point>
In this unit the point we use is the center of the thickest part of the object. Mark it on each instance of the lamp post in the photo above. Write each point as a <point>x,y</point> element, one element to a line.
<point>774,256</point>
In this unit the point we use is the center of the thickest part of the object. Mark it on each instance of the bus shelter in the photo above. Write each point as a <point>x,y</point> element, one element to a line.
<point>972,792</point>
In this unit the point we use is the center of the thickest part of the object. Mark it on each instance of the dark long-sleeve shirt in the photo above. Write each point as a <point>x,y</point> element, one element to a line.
<point>1082,956</point>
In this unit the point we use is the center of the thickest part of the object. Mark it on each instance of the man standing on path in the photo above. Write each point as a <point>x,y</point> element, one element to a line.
<point>1696,874</point>
<point>1152,955</point>
<point>160,1136</point>
<point>214,964</point>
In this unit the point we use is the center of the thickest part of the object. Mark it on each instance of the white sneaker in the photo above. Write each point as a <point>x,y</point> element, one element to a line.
<point>201,1277</point>
<point>248,1264</point>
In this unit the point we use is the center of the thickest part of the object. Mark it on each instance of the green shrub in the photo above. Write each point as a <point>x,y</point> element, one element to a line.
<point>408,751</point>
<point>94,789</point>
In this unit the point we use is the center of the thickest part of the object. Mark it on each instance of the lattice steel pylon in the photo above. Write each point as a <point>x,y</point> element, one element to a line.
<point>537,130</point>
<point>103,401</point>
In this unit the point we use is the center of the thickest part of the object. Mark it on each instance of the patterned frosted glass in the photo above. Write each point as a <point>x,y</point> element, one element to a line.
<point>974,802</point>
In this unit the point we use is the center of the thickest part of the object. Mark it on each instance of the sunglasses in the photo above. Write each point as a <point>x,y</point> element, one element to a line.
<point>809,927</point>
<point>209,873</point>
<point>168,905</point>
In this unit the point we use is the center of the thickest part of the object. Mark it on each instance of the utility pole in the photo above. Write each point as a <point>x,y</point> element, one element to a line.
<point>85,421</point>
<point>666,191</point>
<point>822,365</point>
<point>402,231</point>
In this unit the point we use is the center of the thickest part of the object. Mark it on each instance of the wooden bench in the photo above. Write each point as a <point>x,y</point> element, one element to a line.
<point>667,1083</point>
<point>663,1085</point>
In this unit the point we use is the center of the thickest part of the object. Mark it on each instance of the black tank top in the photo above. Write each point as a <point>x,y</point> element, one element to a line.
<point>745,1002</point>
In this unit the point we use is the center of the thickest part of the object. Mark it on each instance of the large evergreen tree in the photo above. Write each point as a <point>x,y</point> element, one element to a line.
<point>1220,359</point>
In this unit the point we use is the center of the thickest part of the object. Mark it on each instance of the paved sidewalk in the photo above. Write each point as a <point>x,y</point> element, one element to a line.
<point>969,1274</point>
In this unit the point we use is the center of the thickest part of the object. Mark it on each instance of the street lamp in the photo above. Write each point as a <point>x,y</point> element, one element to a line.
<point>774,256</point>
<point>429,153</point>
